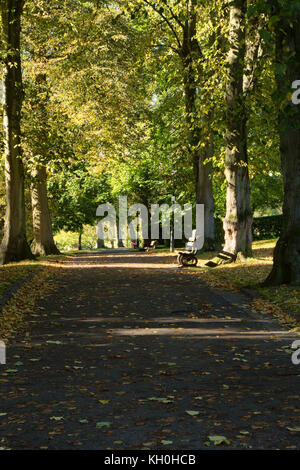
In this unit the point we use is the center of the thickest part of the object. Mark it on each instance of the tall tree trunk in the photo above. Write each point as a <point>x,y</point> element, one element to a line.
<point>238,220</point>
<point>100,243</point>
<point>190,55</point>
<point>43,242</point>
<point>286,267</point>
<point>80,240</point>
<point>14,245</point>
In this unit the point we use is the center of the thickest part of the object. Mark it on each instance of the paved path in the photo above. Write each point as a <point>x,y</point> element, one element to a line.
<point>130,352</point>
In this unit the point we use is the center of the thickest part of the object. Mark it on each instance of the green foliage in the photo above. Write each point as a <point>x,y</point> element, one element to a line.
<point>219,229</point>
<point>74,196</point>
<point>67,240</point>
<point>110,116</point>
<point>265,228</point>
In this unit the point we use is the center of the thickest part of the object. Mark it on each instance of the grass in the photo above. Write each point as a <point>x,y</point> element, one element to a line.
<point>252,273</point>
<point>16,311</point>
<point>14,272</point>
<point>67,241</point>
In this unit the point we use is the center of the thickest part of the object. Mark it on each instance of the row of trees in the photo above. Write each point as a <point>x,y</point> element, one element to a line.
<point>151,98</point>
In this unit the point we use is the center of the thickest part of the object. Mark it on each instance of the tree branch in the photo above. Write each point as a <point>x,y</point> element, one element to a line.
<point>175,17</point>
<point>166,20</point>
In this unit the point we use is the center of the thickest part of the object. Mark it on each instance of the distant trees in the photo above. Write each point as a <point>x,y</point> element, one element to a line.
<point>75,195</point>
<point>176,39</point>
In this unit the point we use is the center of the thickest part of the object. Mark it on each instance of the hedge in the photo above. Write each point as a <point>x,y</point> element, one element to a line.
<point>263,228</point>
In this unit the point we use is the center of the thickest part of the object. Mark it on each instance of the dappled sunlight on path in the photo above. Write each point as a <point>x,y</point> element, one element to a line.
<point>124,260</point>
<point>129,340</point>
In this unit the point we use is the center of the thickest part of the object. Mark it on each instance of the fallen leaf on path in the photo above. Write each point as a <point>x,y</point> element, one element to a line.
<point>192,412</point>
<point>217,440</point>
<point>103,424</point>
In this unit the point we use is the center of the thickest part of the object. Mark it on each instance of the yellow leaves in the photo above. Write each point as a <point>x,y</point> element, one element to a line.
<point>295,330</point>
<point>14,313</point>
<point>266,306</point>
<point>276,301</point>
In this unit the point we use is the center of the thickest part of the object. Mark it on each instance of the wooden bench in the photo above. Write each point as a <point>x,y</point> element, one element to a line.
<point>224,257</point>
<point>152,246</point>
<point>189,256</point>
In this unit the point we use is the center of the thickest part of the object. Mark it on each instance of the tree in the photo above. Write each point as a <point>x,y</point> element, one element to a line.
<point>177,29</point>
<point>75,195</point>
<point>285,21</point>
<point>49,30</point>
<point>39,149</point>
<point>40,21</point>
<point>14,245</point>
<point>191,56</point>
<point>238,220</point>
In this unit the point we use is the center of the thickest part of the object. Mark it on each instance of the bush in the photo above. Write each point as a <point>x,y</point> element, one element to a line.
<point>219,231</point>
<point>265,228</point>
<point>67,240</point>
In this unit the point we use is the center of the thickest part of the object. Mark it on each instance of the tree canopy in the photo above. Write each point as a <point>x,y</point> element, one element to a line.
<point>149,98</point>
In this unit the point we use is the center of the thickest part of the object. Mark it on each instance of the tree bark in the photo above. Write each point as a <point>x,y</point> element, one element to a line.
<point>80,241</point>
<point>238,220</point>
<point>14,246</point>
<point>100,243</point>
<point>286,267</point>
<point>43,242</point>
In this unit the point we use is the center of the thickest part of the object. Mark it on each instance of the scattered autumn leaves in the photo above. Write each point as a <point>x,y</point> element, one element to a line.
<point>13,315</point>
<point>9,274</point>
<point>283,302</point>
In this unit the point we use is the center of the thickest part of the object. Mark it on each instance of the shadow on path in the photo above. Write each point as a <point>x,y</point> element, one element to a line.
<point>127,344</point>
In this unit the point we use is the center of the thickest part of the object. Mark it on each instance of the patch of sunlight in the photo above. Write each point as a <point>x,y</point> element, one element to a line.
<point>197,332</point>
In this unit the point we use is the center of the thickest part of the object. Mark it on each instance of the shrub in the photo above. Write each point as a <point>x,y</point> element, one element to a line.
<point>265,228</point>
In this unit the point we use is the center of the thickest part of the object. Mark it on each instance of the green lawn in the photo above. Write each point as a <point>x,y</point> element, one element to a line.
<point>251,274</point>
<point>11,273</point>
